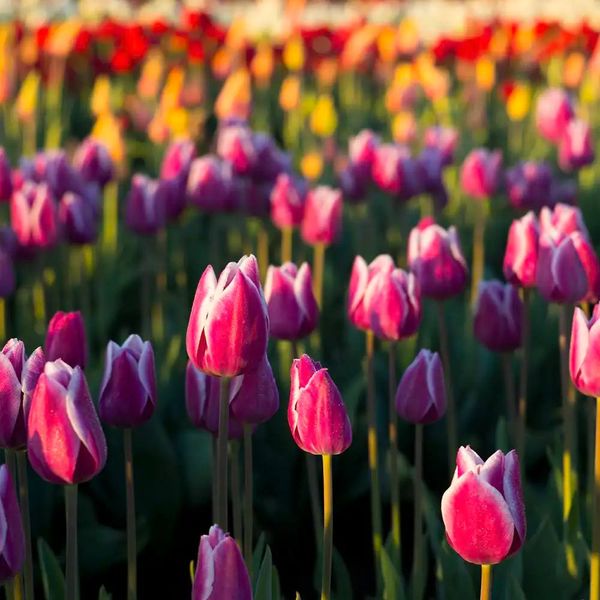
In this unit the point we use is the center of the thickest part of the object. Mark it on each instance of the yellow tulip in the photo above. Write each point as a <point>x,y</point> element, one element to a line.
<point>324,119</point>
<point>485,73</point>
<point>235,95</point>
<point>311,165</point>
<point>404,127</point>
<point>27,99</point>
<point>171,93</point>
<point>519,102</point>
<point>100,98</point>
<point>107,130</point>
<point>294,54</point>
<point>289,94</point>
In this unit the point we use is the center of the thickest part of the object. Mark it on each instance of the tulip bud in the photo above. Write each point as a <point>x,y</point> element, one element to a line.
<point>12,550</point>
<point>576,148</point>
<point>584,352</point>
<point>528,184</point>
<point>293,310</point>
<point>221,573</point>
<point>145,211</point>
<point>210,184</point>
<point>202,403</point>
<point>235,144</point>
<point>362,148</point>
<point>270,161</point>
<point>421,393</point>
<point>553,112</point>
<point>483,509</point>
<point>33,216</point>
<point>361,288</point>
<point>316,413</point>
<point>431,165</point>
<point>521,255</point>
<point>66,339</point>
<point>287,200</point>
<point>497,322</point>
<point>480,173</point>
<point>93,162</point>
<point>6,186</point>
<point>177,160</point>
<point>228,328</point>
<point>396,172</point>
<point>65,441</point>
<point>435,257</point>
<point>322,220</point>
<point>445,139</point>
<point>394,305</point>
<point>78,218</point>
<point>128,388</point>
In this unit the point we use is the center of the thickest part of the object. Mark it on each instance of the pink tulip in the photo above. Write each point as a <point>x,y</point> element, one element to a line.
<point>553,112</point>
<point>362,288</point>
<point>497,322</point>
<point>322,220</point>
<point>33,216</point>
<point>65,441</point>
<point>483,509</point>
<point>229,325</point>
<point>221,573</point>
<point>435,257</point>
<point>66,339</point>
<point>387,170</point>
<point>362,148</point>
<point>480,173</point>
<point>287,201</point>
<point>421,393</point>
<point>521,255</point>
<point>293,310</point>
<point>445,139</point>
<point>584,355</point>
<point>316,413</point>
<point>576,148</point>
<point>235,144</point>
<point>12,548</point>
<point>177,160</point>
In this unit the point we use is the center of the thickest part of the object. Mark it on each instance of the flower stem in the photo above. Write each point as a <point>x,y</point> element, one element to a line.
<point>393,435</point>
<point>509,385</point>
<point>18,588</point>
<point>248,495</point>
<point>110,225</point>
<point>215,465</point>
<point>372,451</point>
<point>451,412</point>
<point>327,527</point>
<point>478,250</point>
<point>318,268</point>
<point>313,489</point>
<point>522,418</point>
<point>222,453</point>
<point>131,528</point>
<point>595,554</point>
<point>418,520</point>
<point>287,235</point>
<point>71,514</point>
<point>24,503</point>
<point>486,582</point>
<point>236,498</point>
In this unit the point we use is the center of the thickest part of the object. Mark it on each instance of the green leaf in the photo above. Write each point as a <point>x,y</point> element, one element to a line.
<point>456,581</point>
<point>393,588</point>
<point>103,594</point>
<point>264,583</point>
<point>275,583</point>
<point>53,580</point>
<point>342,584</point>
<point>514,590</point>
<point>257,556</point>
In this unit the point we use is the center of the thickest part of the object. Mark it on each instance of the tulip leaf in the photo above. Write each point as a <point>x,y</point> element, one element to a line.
<point>264,582</point>
<point>103,594</point>
<point>342,584</point>
<point>514,590</point>
<point>257,557</point>
<point>53,580</point>
<point>393,588</point>
<point>457,582</point>
<point>276,585</point>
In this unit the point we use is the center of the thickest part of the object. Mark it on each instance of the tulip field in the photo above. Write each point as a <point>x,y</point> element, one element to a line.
<point>310,314</point>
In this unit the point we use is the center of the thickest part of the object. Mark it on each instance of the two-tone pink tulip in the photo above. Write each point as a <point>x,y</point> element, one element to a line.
<point>92,160</point>
<point>287,201</point>
<point>33,216</point>
<point>65,338</point>
<point>521,254</point>
<point>322,219</point>
<point>576,147</point>
<point>480,173</point>
<point>585,352</point>
<point>210,184</point>
<point>444,139</point>
<point>553,112</point>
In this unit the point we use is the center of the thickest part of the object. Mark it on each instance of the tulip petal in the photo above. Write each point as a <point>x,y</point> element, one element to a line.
<point>513,494</point>
<point>200,308</point>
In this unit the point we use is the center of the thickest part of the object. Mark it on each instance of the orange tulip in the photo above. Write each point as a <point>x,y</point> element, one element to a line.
<point>262,63</point>
<point>235,96</point>
<point>485,73</point>
<point>289,94</point>
<point>574,69</point>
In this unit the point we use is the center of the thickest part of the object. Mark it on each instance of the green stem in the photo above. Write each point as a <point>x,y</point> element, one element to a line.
<point>131,527</point>
<point>287,234</point>
<point>486,582</point>
<point>110,224</point>
<point>248,495</point>
<point>236,499</point>
<point>318,268</point>
<point>327,527</point>
<point>17,588</point>
<point>418,520</point>
<point>595,553</point>
<point>478,250</point>
<point>24,503</point>
<point>71,517</point>
<point>222,453</point>
<point>522,409</point>
<point>393,435</point>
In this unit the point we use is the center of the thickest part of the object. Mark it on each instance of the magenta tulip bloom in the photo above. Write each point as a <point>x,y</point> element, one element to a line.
<point>65,441</point>
<point>528,184</point>
<point>553,112</point>
<point>79,218</point>
<point>145,209</point>
<point>387,171</point>
<point>228,328</point>
<point>293,309</point>
<point>12,543</point>
<point>445,139</point>
<point>210,184</point>
<point>287,201</point>
<point>435,257</point>
<point>421,393</point>
<point>322,220</point>
<point>361,288</point>
<point>221,573</point>
<point>362,148</point>
<point>584,355</point>
<point>562,220</point>
<point>521,255</point>
<point>483,509</point>
<point>6,184</point>
<point>93,162</point>
<point>202,403</point>
<point>66,339</point>
<point>235,144</point>
<point>33,216</point>
<point>497,322</point>
<point>128,388</point>
<point>177,160</point>
<point>480,173</point>
<point>316,413</point>
<point>394,305</point>
<point>576,148</point>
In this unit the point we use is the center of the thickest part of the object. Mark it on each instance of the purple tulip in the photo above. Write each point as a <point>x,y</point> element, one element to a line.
<point>7,274</point>
<point>528,185</point>
<point>78,218</point>
<point>12,548</point>
<point>444,139</point>
<point>66,339</point>
<point>93,162</point>
<point>145,211</point>
<point>6,184</point>
<point>210,184</point>
<point>270,161</point>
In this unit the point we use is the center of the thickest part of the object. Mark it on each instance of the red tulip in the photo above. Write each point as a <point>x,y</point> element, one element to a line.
<point>521,255</point>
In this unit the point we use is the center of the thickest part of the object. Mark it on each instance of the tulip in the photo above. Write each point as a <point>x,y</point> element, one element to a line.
<point>210,184</point>
<point>93,162</point>
<point>497,322</point>
<point>221,573</point>
<point>444,139</point>
<point>12,549</point>
<point>576,148</point>
<point>235,144</point>
<point>387,169</point>
<point>521,255</point>
<point>145,210</point>
<point>228,327</point>
<point>353,182</point>
<point>79,219</point>
<point>66,339</point>
<point>7,275</point>
<point>362,148</point>
<point>53,168</point>
<point>177,160</point>
<point>287,201</point>
<point>483,509</point>
<point>480,173</point>
<point>6,184</point>
<point>553,112</point>
<point>33,216</point>
<point>528,184</point>
<point>435,256</point>
<point>322,218</point>
<point>271,161</point>
<point>292,307</point>
<point>320,425</point>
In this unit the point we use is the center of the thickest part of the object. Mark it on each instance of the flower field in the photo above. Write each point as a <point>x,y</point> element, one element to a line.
<point>299,315</point>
